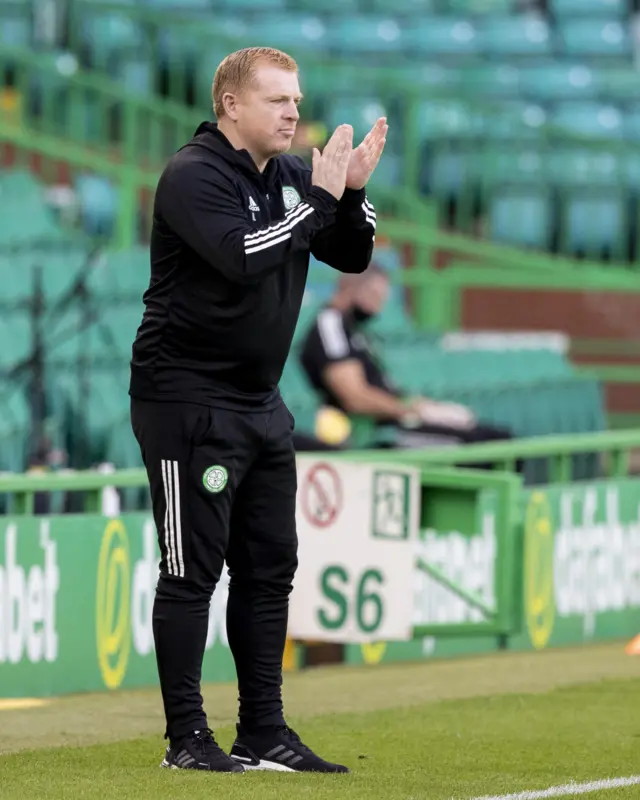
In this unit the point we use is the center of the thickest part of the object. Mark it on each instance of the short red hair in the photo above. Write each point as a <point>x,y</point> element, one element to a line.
<point>236,71</point>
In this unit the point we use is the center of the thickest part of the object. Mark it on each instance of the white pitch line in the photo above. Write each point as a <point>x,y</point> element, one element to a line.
<point>568,789</point>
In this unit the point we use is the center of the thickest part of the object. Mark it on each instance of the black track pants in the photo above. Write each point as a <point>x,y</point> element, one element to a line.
<point>223,487</point>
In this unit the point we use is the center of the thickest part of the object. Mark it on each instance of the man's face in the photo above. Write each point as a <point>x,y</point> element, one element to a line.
<point>372,295</point>
<point>268,110</point>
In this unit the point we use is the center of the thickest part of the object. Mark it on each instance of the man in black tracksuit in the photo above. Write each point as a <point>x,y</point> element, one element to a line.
<point>234,222</point>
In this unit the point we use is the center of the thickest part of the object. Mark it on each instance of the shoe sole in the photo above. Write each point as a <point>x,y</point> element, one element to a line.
<point>267,766</point>
<point>166,765</point>
<point>273,766</point>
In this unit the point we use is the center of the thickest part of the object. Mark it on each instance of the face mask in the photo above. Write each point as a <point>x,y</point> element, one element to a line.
<point>362,316</point>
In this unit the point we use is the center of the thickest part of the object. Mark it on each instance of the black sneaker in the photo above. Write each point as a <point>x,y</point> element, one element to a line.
<point>199,750</point>
<point>280,749</point>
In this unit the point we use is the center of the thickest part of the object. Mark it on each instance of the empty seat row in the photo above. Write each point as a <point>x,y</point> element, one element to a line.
<point>105,34</point>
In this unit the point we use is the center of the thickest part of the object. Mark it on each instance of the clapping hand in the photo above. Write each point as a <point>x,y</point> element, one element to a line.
<point>330,167</point>
<point>364,159</point>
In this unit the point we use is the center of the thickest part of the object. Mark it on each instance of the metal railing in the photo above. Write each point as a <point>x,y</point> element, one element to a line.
<point>614,446</point>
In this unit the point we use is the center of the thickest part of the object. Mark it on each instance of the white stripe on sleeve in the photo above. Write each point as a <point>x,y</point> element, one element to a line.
<point>332,333</point>
<point>274,230</point>
<point>281,235</point>
<point>370,216</point>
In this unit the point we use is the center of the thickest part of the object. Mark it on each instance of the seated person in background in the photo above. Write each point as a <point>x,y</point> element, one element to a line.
<point>340,365</point>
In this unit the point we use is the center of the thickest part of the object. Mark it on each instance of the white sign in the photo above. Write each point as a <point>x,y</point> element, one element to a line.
<point>357,528</point>
<point>28,602</point>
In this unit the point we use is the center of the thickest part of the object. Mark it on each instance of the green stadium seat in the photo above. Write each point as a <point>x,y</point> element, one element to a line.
<point>21,184</point>
<point>73,336</point>
<point>589,8</point>
<point>15,424</point>
<point>366,35</point>
<point>447,171</point>
<point>16,283</point>
<point>520,164</point>
<point>447,119</point>
<point>428,74</point>
<point>388,173</point>
<point>344,75</point>
<point>60,267</point>
<point>521,216</point>
<point>182,6</point>
<point>22,224</point>
<point>588,119</point>
<point>137,76</point>
<point>579,166</point>
<point>248,5</point>
<point>297,32</point>
<point>489,80</point>
<point>596,222</point>
<point>15,23</point>
<point>26,218</point>
<point>361,112</point>
<point>192,42</point>
<point>104,410</point>
<point>632,123</point>
<point>480,6</point>
<point>619,83</point>
<point>516,121</point>
<point>116,330</point>
<point>98,201</point>
<point>120,275</point>
<point>16,337</point>
<point>442,36</point>
<point>628,168</point>
<point>328,6</point>
<point>405,6</point>
<point>594,37</point>
<point>559,81</point>
<point>514,36</point>
<point>60,271</point>
<point>108,35</point>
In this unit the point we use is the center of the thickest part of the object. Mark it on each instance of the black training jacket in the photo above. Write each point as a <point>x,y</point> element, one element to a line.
<point>229,258</point>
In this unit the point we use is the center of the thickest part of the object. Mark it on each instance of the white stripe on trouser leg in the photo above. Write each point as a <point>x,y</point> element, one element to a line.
<point>178,528</point>
<point>168,528</point>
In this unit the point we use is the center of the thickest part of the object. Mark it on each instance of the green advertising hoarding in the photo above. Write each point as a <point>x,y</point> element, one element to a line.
<point>76,596</point>
<point>76,591</point>
<point>580,579</point>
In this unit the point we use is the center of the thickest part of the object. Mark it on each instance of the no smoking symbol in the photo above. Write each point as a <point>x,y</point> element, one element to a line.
<point>322,495</point>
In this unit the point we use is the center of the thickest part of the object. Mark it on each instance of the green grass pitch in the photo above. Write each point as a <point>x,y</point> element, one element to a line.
<point>460,729</point>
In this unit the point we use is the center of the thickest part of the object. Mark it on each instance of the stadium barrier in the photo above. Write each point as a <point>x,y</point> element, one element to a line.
<point>403,556</point>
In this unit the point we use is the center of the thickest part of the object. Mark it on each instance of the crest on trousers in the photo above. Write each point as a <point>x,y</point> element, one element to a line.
<point>290,196</point>
<point>215,478</point>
